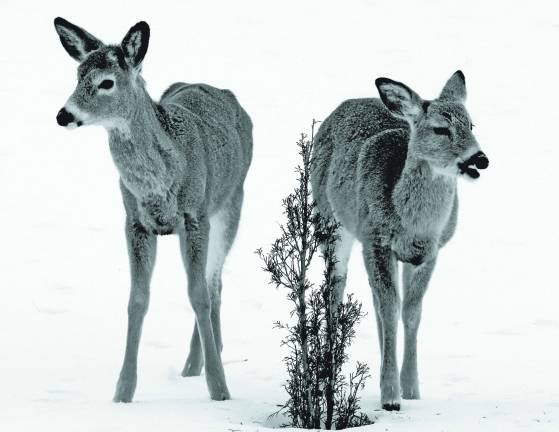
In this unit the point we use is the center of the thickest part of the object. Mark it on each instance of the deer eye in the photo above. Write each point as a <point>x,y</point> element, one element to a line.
<point>442,131</point>
<point>106,84</point>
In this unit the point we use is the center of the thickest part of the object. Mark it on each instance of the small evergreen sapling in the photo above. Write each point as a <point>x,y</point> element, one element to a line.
<point>319,394</point>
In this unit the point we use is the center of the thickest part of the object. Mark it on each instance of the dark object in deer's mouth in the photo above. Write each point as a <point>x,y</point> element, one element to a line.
<point>479,160</point>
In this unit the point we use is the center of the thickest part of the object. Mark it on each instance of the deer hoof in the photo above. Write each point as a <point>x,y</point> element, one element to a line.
<point>409,385</point>
<point>218,390</point>
<point>390,398</point>
<point>125,391</point>
<point>220,395</point>
<point>393,406</point>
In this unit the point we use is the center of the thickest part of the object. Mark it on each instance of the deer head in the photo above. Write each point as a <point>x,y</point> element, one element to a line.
<point>109,81</point>
<point>441,129</point>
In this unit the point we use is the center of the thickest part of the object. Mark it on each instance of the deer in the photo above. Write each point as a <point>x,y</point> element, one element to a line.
<point>386,171</point>
<point>182,164</point>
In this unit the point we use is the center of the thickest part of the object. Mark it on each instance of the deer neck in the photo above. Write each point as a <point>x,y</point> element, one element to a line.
<point>143,153</point>
<point>422,198</point>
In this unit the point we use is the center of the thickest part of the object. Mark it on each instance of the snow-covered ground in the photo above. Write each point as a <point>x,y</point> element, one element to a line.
<point>489,351</point>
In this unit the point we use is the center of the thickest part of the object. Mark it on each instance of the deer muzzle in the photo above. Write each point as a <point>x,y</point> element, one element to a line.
<point>66,119</point>
<point>478,160</point>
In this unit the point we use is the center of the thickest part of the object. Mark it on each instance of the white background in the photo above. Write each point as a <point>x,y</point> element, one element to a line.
<point>488,342</point>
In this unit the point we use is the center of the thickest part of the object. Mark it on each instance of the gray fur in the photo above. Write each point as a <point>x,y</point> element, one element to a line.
<point>182,164</point>
<point>383,173</point>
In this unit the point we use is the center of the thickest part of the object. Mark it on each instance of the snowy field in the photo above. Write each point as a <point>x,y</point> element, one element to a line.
<point>489,356</point>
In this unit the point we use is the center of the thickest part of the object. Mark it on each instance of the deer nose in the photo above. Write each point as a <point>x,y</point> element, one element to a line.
<point>64,118</point>
<point>480,160</point>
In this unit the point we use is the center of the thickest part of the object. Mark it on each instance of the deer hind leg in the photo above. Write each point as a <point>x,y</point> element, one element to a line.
<point>141,251</point>
<point>227,224</point>
<point>223,229</point>
<point>194,247</point>
<point>415,281</point>
<point>195,359</point>
<point>381,266</point>
<point>342,246</point>
<point>342,252</point>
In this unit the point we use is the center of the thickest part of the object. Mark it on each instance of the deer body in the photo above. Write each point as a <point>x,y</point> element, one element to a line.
<point>402,204</point>
<point>386,170</point>
<point>175,157</point>
<point>182,164</point>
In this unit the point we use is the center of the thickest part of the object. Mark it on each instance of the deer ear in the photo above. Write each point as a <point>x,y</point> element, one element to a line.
<point>135,44</point>
<point>77,42</point>
<point>455,88</point>
<point>402,101</point>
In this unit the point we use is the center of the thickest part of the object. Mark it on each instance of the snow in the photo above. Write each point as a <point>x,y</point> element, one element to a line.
<point>488,341</point>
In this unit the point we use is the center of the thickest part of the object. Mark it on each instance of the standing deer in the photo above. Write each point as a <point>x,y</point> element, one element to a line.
<point>386,170</point>
<point>182,164</point>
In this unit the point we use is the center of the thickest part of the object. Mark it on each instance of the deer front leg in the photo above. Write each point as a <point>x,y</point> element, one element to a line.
<point>416,280</point>
<point>194,247</point>
<point>141,252</point>
<point>381,266</point>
